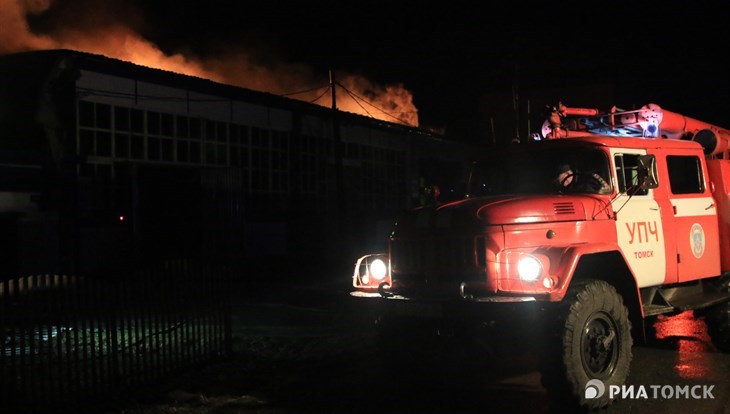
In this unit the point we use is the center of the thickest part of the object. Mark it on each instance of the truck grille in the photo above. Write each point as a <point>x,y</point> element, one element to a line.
<point>431,256</point>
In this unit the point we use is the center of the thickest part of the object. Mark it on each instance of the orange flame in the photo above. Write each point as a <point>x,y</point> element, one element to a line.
<point>392,103</point>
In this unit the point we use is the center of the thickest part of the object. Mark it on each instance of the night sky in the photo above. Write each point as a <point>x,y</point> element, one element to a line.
<point>450,54</point>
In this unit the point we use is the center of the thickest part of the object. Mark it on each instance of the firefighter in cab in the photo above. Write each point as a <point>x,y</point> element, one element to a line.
<point>569,180</point>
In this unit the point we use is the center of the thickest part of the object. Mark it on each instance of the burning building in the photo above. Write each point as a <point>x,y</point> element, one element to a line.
<point>107,163</point>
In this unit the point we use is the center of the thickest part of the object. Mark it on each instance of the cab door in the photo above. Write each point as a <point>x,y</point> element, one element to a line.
<point>639,226</point>
<point>694,215</point>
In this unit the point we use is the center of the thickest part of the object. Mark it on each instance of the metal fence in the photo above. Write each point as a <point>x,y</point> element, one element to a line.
<point>68,341</point>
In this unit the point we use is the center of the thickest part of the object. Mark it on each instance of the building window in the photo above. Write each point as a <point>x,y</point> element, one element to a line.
<point>168,150</point>
<point>280,161</point>
<point>166,125</point>
<point>121,119</point>
<point>86,142</point>
<point>137,120</point>
<point>181,130</point>
<point>182,151</point>
<point>153,148</point>
<point>86,114</point>
<point>138,147</point>
<point>210,131</point>
<point>103,144</point>
<point>195,128</point>
<point>194,151</point>
<point>382,177</point>
<point>260,160</point>
<point>123,133</point>
<point>222,132</point>
<point>316,170</point>
<point>121,145</point>
<point>103,116</point>
<point>153,123</point>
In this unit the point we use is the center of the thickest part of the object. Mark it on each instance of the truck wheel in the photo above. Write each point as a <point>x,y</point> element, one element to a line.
<point>591,340</point>
<point>717,319</point>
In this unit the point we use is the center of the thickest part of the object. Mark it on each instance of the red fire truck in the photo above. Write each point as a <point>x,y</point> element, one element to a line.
<point>602,222</point>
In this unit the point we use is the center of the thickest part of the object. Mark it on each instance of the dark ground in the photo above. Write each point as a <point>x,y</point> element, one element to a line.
<point>311,349</point>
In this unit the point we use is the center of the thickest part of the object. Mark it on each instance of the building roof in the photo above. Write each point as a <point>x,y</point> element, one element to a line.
<point>37,64</point>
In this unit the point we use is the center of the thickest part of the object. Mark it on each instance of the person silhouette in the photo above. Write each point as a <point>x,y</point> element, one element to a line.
<point>570,180</point>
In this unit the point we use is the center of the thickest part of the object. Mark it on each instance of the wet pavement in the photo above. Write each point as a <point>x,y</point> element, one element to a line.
<point>313,350</point>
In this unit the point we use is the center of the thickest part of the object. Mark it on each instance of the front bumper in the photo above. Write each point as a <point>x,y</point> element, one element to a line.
<point>455,308</point>
<point>483,299</point>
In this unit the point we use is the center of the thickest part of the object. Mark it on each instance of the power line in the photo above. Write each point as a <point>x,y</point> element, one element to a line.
<point>320,96</point>
<point>358,103</point>
<point>306,91</point>
<point>356,96</point>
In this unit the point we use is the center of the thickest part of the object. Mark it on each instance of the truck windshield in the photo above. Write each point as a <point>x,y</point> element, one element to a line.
<point>536,171</point>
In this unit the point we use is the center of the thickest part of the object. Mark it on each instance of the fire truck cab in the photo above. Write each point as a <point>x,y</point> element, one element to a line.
<point>602,222</point>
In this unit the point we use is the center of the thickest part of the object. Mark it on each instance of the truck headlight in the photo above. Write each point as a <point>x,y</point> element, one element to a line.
<point>378,269</point>
<point>371,270</point>
<point>529,268</point>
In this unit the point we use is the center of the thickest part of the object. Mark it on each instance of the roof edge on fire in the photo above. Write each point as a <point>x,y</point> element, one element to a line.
<point>39,61</point>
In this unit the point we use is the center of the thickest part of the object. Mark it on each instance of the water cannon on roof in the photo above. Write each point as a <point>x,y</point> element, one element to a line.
<point>650,121</point>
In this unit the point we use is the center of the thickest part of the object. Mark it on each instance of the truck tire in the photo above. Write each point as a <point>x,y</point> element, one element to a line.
<point>717,319</point>
<point>590,340</point>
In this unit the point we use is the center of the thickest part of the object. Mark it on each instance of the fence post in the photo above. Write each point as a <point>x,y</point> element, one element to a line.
<point>113,301</point>
<point>7,374</point>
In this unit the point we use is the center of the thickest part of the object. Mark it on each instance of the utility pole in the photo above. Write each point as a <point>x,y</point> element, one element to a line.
<point>333,90</point>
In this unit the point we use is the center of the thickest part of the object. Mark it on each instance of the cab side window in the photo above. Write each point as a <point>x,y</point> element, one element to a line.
<point>685,174</point>
<point>629,174</point>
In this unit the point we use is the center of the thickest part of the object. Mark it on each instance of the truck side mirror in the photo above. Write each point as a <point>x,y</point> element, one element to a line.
<point>647,172</point>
